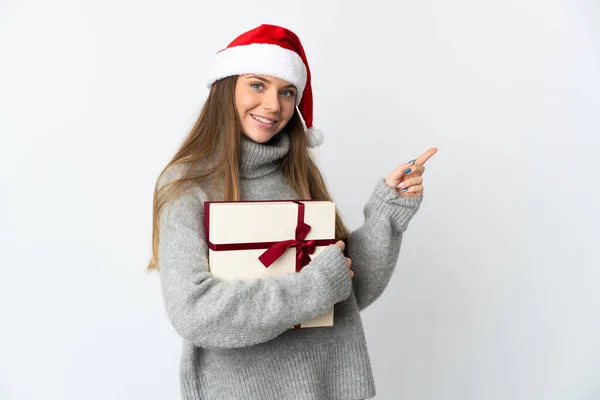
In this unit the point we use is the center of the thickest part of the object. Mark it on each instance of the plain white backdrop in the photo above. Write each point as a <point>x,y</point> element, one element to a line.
<point>495,293</point>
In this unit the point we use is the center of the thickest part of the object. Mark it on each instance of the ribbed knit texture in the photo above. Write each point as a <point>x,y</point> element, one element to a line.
<point>236,341</point>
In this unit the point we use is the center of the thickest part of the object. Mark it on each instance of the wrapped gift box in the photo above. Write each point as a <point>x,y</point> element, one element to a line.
<point>252,239</point>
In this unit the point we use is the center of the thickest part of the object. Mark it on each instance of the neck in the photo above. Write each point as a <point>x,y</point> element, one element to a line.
<point>260,159</point>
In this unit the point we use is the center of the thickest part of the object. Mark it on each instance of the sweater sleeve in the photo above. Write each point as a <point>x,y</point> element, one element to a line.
<point>375,246</point>
<point>211,312</point>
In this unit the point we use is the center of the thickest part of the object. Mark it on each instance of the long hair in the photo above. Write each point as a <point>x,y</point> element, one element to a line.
<point>216,136</point>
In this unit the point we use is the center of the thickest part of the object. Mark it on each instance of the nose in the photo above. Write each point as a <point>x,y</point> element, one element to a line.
<point>271,101</point>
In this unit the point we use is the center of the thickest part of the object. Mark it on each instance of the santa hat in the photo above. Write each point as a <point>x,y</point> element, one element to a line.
<point>274,51</point>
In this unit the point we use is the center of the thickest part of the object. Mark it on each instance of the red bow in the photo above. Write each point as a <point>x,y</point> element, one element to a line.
<point>303,248</point>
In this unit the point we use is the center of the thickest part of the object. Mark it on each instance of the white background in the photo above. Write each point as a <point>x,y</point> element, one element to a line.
<point>495,294</point>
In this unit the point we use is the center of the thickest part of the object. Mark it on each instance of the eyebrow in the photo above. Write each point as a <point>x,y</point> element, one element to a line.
<point>266,80</point>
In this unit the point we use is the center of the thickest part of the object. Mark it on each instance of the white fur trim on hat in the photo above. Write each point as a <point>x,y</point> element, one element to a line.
<point>261,59</point>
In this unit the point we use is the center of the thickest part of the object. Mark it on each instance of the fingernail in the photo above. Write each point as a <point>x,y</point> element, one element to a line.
<point>404,190</point>
<point>401,185</point>
<point>407,170</point>
<point>412,161</point>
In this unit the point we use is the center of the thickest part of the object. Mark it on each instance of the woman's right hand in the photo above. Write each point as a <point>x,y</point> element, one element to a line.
<point>340,244</point>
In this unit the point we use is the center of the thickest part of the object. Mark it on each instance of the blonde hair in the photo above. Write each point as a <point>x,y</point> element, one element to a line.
<point>216,134</point>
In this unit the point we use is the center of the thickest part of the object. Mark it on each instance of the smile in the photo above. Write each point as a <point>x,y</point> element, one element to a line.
<point>263,120</point>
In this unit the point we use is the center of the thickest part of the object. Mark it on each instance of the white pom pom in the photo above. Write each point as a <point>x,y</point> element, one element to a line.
<point>314,137</point>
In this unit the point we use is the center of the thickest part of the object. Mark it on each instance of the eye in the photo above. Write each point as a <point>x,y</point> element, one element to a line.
<point>256,85</point>
<point>289,93</point>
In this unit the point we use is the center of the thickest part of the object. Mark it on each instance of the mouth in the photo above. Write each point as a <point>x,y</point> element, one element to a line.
<point>263,119</point>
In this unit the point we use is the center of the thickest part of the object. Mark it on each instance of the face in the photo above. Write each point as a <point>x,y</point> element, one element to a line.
<point>265,105</point>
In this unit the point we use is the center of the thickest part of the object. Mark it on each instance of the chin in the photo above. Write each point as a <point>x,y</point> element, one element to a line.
<point>260,137</point>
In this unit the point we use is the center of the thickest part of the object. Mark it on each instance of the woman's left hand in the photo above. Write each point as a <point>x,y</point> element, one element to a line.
<point>409,176</point>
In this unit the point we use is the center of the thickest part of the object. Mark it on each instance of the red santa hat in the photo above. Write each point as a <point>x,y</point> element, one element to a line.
<point>274,51</point>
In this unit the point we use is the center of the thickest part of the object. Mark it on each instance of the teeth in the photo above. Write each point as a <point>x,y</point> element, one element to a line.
<point>266,121</point>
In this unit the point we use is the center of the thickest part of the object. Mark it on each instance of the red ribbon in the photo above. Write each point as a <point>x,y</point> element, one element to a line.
<point>303,248</point>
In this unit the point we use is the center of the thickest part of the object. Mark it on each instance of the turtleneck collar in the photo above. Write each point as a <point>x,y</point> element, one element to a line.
<point>260,159</point>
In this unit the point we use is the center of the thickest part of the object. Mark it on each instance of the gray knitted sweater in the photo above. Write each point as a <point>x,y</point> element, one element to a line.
<point>236,341</point>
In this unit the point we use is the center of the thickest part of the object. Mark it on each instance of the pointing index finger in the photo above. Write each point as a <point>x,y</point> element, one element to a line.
<point>422,159</point>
